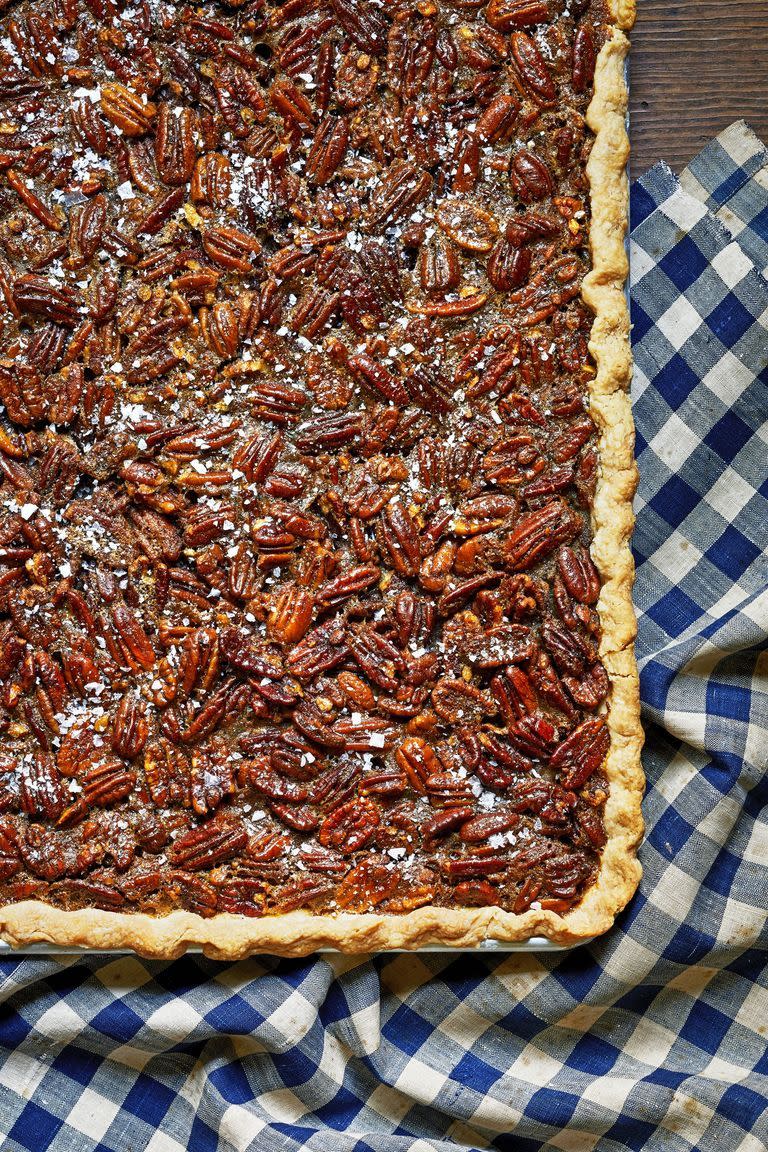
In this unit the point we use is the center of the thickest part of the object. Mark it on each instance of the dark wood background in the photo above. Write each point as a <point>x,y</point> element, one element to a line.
<point>697,65</point>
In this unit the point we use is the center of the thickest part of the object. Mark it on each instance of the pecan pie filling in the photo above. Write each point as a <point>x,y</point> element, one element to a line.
<point>297,608</point>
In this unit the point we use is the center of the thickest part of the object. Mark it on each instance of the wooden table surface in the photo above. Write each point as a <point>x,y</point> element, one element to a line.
<point>697,65</point>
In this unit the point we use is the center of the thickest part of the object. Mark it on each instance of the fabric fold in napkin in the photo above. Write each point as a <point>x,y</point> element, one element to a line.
<point>652,1038</point>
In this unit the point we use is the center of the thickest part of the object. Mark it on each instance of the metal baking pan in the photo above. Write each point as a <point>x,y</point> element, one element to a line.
<point>534,944</point>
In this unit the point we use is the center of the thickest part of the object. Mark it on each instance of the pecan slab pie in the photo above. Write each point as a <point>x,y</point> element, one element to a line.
<point>315,474</point>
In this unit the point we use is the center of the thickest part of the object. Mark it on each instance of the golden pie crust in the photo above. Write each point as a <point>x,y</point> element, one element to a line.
<point>299,933</point>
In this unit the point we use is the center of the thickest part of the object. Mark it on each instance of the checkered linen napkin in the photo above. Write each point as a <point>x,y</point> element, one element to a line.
<point>652,1038</point>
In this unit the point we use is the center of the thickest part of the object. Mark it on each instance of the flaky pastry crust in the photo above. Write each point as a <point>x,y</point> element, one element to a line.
<point>299,933</point>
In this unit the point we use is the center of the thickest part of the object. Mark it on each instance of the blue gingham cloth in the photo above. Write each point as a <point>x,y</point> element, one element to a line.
<point>652,1038</point>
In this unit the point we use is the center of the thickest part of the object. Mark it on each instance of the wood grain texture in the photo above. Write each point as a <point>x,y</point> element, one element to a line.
<point>697,65</point>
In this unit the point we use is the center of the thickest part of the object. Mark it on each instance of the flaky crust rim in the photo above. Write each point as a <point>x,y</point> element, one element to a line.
<point>299,933</point>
